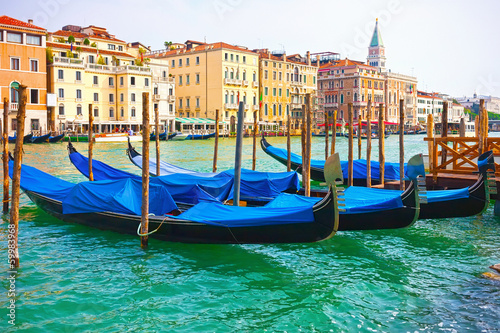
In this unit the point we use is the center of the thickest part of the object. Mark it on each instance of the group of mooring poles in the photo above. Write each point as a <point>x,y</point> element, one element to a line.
<point>381,138</point>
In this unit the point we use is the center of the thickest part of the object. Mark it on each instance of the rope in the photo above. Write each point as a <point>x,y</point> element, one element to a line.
<point>4,201</point>
<point>151,232</point>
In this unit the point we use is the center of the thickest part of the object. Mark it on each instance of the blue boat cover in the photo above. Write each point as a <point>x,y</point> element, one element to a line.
<point>234,216</point>
<point>359,166</point>
<point>120,196</point>
<point>445,195</point>
<point>189,186</point>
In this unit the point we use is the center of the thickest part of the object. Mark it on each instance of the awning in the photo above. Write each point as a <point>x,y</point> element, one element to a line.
<point>197,121</point>
<point>338,125</point>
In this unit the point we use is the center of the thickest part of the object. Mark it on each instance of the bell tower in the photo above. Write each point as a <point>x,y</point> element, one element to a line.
<point>376,50</point>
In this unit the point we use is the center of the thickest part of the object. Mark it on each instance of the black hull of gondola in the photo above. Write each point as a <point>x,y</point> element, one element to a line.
<point>175,230</point>
<point>27,139</point>
<point>40,139</point>
<point>57,138</point>
<point>476,203</point>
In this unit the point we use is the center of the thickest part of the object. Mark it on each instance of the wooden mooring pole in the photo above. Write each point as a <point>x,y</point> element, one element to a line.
<point>237,158</point>
<point>381,143</point>
<point>369,144</point>
<point>444,130</point>
<point>334,132</point>
<point>16,179</point>
<point>216,144</point>
<point>350,163</point>
<point>5,136</point>
<point>327,134</point>
<point>360,129</point>
<point>145,170</point>
<point>254,152</point>
<point>401,144</point>
<point>303,139</point>
<point>157,137</point>
<point>307,164</point>
<point>91,141</point>
<point>430,134</point>
<point>288,147</point>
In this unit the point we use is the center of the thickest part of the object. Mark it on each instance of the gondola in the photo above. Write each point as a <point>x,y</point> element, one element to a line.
<point>115,205</point>
<point>184,136</point>
<point>364,136</point>
<point>57,138</point>
<point>337,134</point>
<point>162,135</point>
<point>388,210</point>
<point>359,176</point>
<point>26,139</point>
<point>40,139</point>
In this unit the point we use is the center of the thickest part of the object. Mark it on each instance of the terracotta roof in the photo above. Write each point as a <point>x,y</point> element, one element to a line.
<point>6,20</point>
<point>82,35</point>
<point>212,46</point>
<point>88,49</point>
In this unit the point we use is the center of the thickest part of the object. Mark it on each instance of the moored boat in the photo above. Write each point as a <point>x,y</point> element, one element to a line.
<point>57,138</point>
<point>40,139</point>
<point>27,138</point>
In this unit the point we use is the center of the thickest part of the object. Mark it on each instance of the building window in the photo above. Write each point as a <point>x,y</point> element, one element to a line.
<point>274,92</point>
<point>96,97</point>
<point>266,91</point>
<point>60,75</point>
<point>61,93</point>
<point>341,98</point>
<point>197,78</point>
<point>232,57</point>
<point>91,59</point>
<point>33,40</point>
<point>279,110</point>
<point>197,60</point>
<point>14,93</point>
<point>111,47</point>
<point>274,110</point>
<point>180,103</point>
<point>78,94</point>
<point>155,91</point>
<point>78,76</point>
<point>180,62</point>
<point>34,96</point>
<point>121,97</point>
<point>187,103</point>
<point>120,48</point>
<point>95,80</point>
<point>265,75</point>
<point>244,59</point>
<point>274,75</point>
<point>197,102</point>
<point>225,56</point>
<point>111,98</point>
<point>14,64</point>
<point>180,80</point>
<point>146,82</point>
<point>265,109</point>
<point>121,81</point>
<point>122,112</point>
<point>111,113</point>
<point>79,110</point>
<point>132,97</point>
<point>14,124</point>
<point>34,65</point>
<point>187,79</point>
<point>96,112</point>
<point>132,81</point>
<point>14,38</point>
<point>254,77</point>
<point>111,82</point>
<point>61,109</point>
<point>187,61</point>
<point>173,63</point>
<point>132,112</point>
<point>279,92</point>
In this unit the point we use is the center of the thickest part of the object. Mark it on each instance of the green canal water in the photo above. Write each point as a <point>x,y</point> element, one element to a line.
<point>73,278</point>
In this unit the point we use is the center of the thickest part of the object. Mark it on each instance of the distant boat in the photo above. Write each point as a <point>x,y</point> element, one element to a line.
<point>338,134</point>
<point>364,136</point>
<point>27,138</point>
<point>41,138</point>
<point>117,137</point>
<point>57,138</point>
<point>185,136</point>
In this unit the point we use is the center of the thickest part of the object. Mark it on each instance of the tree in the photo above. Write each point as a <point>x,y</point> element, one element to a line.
<point>71,39</point>
<point>101,61</point>
<point>78,50</point>
<point>86,42</point>
<point>61,40</point>
<point>93,44</point>
<point>49,55</point>
<point>168,45</point>
<point>115,61</point>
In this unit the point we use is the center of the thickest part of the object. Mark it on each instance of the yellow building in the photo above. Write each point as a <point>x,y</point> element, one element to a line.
<point>90,66</point>
<point>284,82</point>
<point>213,77</point>
<point>22,61</point>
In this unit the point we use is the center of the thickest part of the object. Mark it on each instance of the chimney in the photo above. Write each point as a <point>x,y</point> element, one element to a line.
<point>308,56</point>
<point>30,21</point>
<point>284,56</point>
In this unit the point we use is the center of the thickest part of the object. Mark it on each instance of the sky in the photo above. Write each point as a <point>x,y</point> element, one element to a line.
<point>452,47</point>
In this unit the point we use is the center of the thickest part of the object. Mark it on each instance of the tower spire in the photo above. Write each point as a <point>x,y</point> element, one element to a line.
<point>376,50</point>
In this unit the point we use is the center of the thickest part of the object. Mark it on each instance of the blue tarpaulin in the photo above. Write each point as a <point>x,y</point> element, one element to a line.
<point>119,196</point>
<point>359,166</point>
<point>192,187</point>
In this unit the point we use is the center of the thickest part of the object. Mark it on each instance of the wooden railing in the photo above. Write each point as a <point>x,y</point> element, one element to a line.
<point>458,155</point>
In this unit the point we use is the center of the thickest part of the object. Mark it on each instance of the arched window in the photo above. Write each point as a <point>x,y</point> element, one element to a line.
<point>14,94</point>
<point>79,110</point>
<point>296,74</point>
<point>132,112</point>
<point>226,74</point>
<point>341,98</point>
<point>244,75</point>
<point>111,113</point>
<point>61,109</point>
<point>232,97</point>
<point>232,74</point>
<point>274,110</point>
<point>355,82</point>
<point>164,73</point>
<point>355,97</point>
<point>244,98</point>
<point>122,112</point>
<point>279,110</point>
<point>227,97</point>
<point>96,112</point>
<point>254,76</point>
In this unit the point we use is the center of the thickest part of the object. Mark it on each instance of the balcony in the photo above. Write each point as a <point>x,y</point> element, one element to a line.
<point>162,79</point>
<point>237,82</point>
<point>296,105</point>
<point>156,98</point>
<point>229,106</point>
<point>132,69</point>
<point>245,83</point>
<point>171,98</point>
<point>256,108</point>
<point>61,116</point>
<point>297,83</point>
<point>99,68</point>
<point>247,107</point>
<point>359,103</point>
<point>14,107</point>
<point>331,105</point>
<point>255,84</point>
<point>73,62</point>
<point>228,81</point>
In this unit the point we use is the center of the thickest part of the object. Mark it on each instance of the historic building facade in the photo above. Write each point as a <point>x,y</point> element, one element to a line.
<point>22,61</point>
